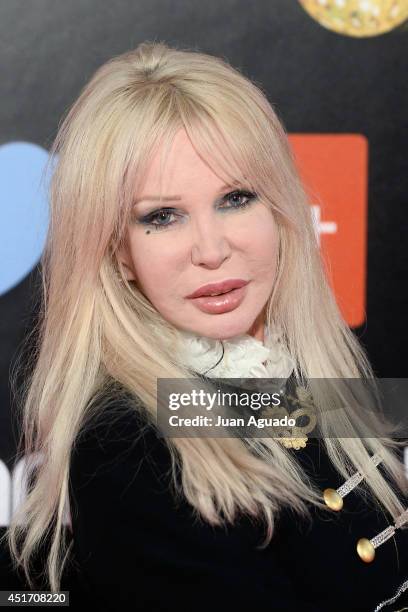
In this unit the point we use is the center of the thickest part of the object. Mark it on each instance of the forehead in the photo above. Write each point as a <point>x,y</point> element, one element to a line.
<point>179,168</point>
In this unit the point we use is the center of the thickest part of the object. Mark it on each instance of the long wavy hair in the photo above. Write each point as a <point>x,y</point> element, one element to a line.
<point>94,328</point>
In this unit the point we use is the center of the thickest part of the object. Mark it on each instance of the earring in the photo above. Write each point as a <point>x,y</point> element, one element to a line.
<point>334,497</point>
<point>366,548</point>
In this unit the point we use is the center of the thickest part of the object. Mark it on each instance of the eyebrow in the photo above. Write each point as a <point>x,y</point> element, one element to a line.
<point>170,198</point>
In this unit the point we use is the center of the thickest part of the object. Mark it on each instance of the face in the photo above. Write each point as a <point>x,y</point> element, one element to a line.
<point>205,232</point>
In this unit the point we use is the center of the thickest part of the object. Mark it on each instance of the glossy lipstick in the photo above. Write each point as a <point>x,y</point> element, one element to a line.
<point>232,293</point>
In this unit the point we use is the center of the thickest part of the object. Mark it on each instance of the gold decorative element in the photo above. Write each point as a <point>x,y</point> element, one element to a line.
<point>333,499</point>
<point>275,412</point>
<point>295,437</point>
<point>357,18</point>
<point>295,443</point>
<point>365,550</point>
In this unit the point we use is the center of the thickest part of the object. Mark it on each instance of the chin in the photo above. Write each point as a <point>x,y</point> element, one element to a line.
<point>219,328</point>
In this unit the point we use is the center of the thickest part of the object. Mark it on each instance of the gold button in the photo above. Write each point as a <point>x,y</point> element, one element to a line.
<point>365,550</point>
<point>333,499</point>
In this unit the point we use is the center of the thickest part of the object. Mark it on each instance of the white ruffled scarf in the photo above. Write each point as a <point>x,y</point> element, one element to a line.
<point>244,356</point>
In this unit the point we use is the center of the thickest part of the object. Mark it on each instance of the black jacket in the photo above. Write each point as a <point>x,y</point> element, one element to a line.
<point>135,545</point>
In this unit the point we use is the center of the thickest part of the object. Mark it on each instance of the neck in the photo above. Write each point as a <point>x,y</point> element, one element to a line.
<point>258,327</point>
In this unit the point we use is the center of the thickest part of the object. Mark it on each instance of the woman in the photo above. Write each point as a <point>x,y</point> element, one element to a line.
<point>173,173</point>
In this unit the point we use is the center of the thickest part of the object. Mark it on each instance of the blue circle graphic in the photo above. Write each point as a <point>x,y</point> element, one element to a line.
<point>24,210</point>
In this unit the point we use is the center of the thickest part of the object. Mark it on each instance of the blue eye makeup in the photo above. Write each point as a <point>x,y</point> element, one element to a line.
<point>159,219</point>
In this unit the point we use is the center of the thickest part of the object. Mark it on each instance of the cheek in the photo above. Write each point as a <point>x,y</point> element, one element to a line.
<point>263,243</point>
<point>155,271</point>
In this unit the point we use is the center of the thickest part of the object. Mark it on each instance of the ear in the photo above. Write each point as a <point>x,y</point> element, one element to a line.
<point>125,261</point>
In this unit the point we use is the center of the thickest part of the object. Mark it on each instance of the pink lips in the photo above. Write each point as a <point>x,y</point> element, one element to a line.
<point>221,287</point>
<point>234,291</point>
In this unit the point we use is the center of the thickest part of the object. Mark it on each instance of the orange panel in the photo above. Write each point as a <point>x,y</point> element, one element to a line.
<point>334,170</point>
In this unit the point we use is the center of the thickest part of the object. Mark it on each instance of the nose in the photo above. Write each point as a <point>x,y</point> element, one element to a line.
<point>210,246</point>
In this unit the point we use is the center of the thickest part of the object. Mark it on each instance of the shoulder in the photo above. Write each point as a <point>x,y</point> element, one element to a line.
<point>113,424</point>
<point>119,457</point>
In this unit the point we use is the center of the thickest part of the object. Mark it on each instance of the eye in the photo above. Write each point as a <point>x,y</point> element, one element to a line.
<point>247,196</point>
<point>158,215</point>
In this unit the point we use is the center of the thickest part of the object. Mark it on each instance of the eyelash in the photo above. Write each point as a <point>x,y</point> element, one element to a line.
<point>147,220</point>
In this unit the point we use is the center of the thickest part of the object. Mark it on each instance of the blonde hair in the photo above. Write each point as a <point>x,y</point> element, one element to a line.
<point>94,328</point>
